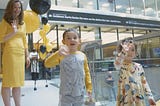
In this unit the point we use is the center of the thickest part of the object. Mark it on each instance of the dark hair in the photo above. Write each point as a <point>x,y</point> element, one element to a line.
<point>70,30</point>
<point>8,15</point>
<point>130,40</point>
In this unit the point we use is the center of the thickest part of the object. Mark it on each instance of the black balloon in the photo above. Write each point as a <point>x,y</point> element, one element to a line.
<point>44,20</point>
<point>43,48</point>
<point>40,6</point>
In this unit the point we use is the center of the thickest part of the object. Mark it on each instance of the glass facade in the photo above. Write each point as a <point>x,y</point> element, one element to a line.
<point>138,7</point>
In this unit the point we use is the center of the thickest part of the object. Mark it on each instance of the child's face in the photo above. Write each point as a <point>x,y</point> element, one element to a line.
<point>131,52</point>
<point>72,40</point>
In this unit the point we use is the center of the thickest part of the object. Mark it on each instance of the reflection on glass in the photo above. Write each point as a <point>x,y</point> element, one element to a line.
<point>88,4</point>
<point>106,5</point>
<point>150,8</point>
<point>122,5</point>
<point>67,3</point>
<point>137,7</point>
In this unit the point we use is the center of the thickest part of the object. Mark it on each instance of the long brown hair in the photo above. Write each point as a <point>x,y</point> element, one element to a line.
<point>8,15</point>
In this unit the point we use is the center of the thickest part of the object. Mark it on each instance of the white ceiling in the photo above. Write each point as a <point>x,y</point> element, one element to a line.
<point>3,3</point>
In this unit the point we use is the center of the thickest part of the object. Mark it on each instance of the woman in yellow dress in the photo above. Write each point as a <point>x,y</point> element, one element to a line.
<point>15,52</point>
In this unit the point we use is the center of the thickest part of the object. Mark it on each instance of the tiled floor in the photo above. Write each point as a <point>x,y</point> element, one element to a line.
<point>43,96</point>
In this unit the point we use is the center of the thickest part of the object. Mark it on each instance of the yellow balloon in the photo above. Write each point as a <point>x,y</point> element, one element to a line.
<point>46,28</point>
<point>31,20</point>
<point>45,41</point>
<point>42,34</point>
<point>49,47</point>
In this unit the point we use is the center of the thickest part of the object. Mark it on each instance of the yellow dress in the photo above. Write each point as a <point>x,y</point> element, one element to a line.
<point>13,55</point>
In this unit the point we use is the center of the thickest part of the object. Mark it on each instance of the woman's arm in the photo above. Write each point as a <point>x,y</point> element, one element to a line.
<point>27,58</point>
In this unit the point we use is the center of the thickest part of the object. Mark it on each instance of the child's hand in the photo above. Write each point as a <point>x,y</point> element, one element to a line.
<point>89,95</point>
<point>64,50</point>
<point>152,102</point>
<point>90,100</point>
<point>125,46</point>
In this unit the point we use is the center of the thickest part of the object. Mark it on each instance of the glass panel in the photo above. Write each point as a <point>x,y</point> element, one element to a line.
<point>124,33</point>
<point>109,37</point>
<point>104,92</point>
<point>53,2</point>
<point>158,7</point>
<point>87,34</point>
<point>89,4</point>
<point>122,6</point>
<point>137,7</point>
<point>155,49</point>
<point>67,3</point>
<point>107,5</point>
<point>150,8</point>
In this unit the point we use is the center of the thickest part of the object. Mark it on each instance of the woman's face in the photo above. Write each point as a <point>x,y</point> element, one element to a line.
<point>16,9</point>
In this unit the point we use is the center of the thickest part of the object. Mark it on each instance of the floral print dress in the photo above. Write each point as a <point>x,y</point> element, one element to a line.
<point>132,86</point>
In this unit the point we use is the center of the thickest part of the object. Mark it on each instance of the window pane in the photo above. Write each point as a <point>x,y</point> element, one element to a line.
<point>158,7</point>
<point>53,2</point>
<point>67,3</point>
<point>106,5</point>
<point>137,7</point>
<point>122,6</point>
<point>150,8</point>
<point>88,4</point>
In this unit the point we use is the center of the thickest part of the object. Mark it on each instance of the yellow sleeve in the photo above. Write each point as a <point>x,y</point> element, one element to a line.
<point>3,30</point>
<point>88,80</point>
<point>53,60</point>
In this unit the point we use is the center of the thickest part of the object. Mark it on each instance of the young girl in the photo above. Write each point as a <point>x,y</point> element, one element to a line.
<point>132,85</point>
<point>74,70</point>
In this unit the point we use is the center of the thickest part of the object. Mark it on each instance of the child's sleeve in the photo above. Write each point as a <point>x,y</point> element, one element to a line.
<point>88,80</point>
<point>53,60</point>
<point>145,85</point>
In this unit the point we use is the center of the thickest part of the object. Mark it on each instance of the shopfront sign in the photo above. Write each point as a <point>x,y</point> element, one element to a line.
<point>100,19</point>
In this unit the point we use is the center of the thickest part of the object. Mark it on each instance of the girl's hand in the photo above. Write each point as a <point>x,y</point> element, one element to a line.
<point>125,47</point>
<point>152,102</point>
<point>64,50</point>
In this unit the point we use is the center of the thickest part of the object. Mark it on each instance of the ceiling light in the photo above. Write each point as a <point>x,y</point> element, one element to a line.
<point>90,3</point>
